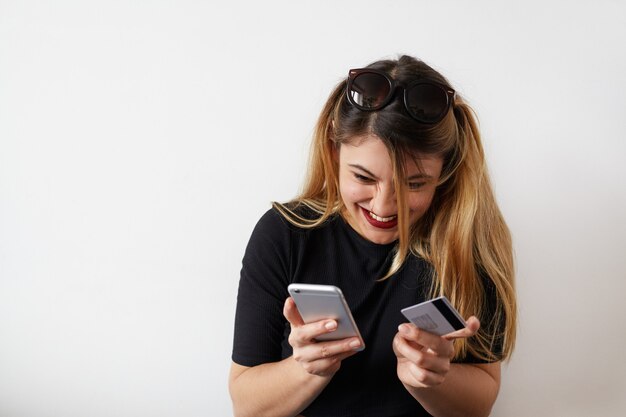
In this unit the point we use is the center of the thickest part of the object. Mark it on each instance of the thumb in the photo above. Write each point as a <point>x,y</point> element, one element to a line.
<point>471,327</point>
<point>291,313</point>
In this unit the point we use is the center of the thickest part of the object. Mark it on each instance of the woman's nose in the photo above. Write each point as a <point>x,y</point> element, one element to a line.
<point>384,203</point>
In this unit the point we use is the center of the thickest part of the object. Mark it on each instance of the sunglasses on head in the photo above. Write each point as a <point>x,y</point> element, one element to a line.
<point>427,101</point>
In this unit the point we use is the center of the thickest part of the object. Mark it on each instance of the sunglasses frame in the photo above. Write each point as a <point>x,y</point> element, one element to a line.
<point>393,87</point>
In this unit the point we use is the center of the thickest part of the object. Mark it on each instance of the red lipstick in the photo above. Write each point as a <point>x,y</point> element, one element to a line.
<point>376,223</point>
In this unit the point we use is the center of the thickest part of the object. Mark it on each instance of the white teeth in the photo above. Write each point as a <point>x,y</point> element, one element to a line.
<point>382,219</point>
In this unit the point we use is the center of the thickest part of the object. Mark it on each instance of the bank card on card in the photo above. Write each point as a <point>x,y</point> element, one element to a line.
<point>435,316</point>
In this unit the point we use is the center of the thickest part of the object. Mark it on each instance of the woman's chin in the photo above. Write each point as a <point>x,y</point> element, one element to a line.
<point>380,237</point>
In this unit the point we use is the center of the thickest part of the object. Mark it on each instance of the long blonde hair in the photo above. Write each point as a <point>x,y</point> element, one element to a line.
<point>462,235</point>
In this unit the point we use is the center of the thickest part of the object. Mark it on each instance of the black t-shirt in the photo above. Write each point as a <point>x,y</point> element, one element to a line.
<point>279,254</point>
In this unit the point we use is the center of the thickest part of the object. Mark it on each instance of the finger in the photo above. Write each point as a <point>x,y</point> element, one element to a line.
<point>437,344</point>
<point>322,367</point>
<point>411,343</point>
<point>403,349</point>
<point>338,349</point>
<point>306,331</point>
<point>310,331</point>
<point>471,327</point>
<point>328,365</point>
<point>427,360</point>
<point>291,313</point>
<point>424,377</point>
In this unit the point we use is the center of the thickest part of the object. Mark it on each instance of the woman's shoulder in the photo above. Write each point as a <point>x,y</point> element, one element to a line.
<point>278,232</point>
<point>283,218</point>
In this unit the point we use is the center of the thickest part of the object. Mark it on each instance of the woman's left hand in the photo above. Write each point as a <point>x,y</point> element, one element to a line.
<point>424,358</point>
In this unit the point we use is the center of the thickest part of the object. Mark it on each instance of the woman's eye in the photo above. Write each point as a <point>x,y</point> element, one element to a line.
<point>416,185</point>
<point>362,178</point>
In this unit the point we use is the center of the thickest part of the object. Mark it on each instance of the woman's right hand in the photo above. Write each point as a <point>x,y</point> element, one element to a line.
<point>317,358</point>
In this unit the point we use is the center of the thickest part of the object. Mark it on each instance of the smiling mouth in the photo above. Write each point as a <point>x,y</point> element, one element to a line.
<point>382,219</point>
<point>380,222</point>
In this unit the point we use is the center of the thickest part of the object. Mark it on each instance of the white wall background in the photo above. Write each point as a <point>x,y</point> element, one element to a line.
<point>140,142</point>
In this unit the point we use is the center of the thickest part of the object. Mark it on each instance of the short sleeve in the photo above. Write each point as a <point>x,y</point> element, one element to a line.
<point>259,321</point>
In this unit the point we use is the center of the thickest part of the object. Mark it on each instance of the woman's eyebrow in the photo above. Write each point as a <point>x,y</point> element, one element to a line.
<point>420,176</point>
<point>357,166</point>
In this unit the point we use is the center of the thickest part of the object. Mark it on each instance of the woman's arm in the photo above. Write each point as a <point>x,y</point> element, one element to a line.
<point>287,387</point>
<point>273,389</point>
<point>468,390</point>
<point>442,388</point>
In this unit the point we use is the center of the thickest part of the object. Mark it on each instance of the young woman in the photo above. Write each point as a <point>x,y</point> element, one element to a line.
<point>397,209</point>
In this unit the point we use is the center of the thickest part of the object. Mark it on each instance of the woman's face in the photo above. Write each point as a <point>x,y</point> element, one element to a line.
<point>366,188</point>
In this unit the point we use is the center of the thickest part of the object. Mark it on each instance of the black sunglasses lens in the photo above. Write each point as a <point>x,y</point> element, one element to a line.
<point>427,102</point>
<point>369,90</point>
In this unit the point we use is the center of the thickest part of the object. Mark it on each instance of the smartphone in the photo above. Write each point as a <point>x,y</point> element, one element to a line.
<point>435,316</point>
<point>319,302</point>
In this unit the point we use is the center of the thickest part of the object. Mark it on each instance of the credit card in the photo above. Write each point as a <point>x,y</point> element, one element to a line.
<point>435,316</point>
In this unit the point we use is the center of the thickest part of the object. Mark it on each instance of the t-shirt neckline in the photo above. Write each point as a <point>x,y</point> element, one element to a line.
<point>368,245</point>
